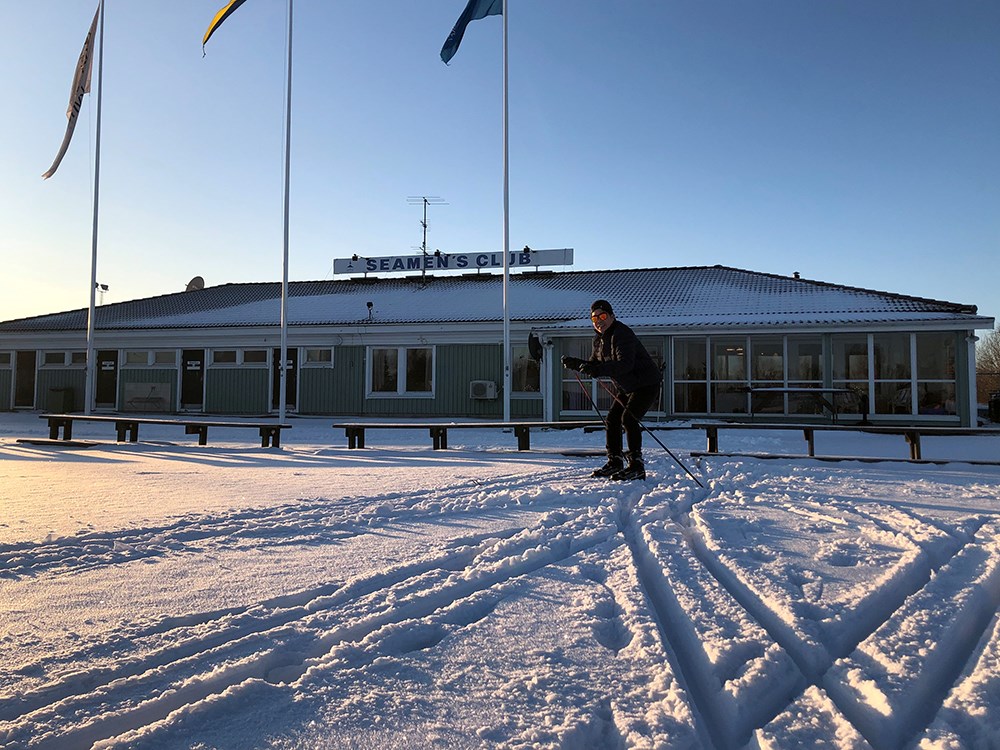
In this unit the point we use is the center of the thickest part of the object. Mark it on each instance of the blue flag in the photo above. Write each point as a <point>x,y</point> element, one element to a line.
<point>475,10</point>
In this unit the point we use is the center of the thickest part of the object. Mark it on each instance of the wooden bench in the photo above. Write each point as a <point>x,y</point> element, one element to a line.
<point>911,434</point>
<point>355,431</point>
<point>127,428</point>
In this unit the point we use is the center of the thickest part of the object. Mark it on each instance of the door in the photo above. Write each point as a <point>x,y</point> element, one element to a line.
<point>24,380</point>
<point>106,395</point>
<point>193,379</point>
<point>291,370</point>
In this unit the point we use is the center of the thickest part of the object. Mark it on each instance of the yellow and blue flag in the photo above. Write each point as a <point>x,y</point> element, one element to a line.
<point>221,16</point>
<point>475,10</point>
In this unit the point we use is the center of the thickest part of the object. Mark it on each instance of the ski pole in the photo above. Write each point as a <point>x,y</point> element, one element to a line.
<point>639,422</point>
<point>590,399</point>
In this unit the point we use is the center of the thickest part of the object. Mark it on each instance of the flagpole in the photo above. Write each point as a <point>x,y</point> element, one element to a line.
<point>283,368</point>
<point>506,227</point>
<point>88,399</point>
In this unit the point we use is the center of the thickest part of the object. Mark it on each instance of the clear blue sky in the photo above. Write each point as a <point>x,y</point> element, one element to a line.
<point>856,141</point>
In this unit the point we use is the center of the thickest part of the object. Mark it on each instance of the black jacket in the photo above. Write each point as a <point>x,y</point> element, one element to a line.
<point>618,354</point>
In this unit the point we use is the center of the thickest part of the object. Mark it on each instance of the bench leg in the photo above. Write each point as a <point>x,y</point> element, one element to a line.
<point>523,438</point>
<point>913,438</point>
<point>200,430</point>
<point>65,424</point>
<point>127,431</point>
<point>439,437</point>
<point>810,437</point>
<point>355,437</point>
<point>270,437</point>
<point>712,433</point>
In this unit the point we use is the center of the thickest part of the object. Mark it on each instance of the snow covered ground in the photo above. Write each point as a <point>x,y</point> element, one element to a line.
<point>165,595</point>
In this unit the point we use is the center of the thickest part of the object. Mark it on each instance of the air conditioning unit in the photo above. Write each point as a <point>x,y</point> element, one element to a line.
<point>482,389</point>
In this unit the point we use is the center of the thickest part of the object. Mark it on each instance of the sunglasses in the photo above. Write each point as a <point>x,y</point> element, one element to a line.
<point>599,315</point>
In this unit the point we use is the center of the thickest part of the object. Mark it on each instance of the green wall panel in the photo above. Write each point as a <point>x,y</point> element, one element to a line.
<point>46,380</point>
<point>6,384</point>
<point>133,390</point>
<point>336,390</point>
<point>237,391</point>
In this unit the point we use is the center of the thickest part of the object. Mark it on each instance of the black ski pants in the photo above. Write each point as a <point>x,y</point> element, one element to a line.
<point>627,411</point>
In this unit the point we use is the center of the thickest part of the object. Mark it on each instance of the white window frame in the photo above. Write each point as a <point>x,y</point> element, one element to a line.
<point>401,355</point>
<point>53,352</point>
<point>328,363</point>
<point>145,353</point>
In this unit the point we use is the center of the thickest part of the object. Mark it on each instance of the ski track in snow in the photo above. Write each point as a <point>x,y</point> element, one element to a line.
<point>747,647</point>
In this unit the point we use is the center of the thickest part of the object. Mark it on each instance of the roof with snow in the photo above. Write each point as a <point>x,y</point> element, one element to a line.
<point>671,297</point>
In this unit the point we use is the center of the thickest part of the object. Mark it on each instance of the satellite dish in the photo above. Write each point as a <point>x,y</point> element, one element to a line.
<point>196,284</point>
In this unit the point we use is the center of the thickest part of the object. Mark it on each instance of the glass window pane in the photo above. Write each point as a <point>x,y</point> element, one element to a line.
<point>804,403</point>
<point>768,363</point>
<point>418,370</point>
<point>224,357</point>
<point>54,358</point>
<point>729,359</point>
<point>255,356</point>
<point>936,356</point>
<point>892,356</point>
<point>315,356</point>
<point>690,398</point>
<point>850,357</point>
<point>893,398</point>
<point>767,403</point>
<point>524,375</point>
<point>936,398</point>
<point>728,398</point>
<point>78,358</point>
<point>165,358</point>
<point>805,358</point>
<point>5,359</point>
<point>689,359</point>
<point>136,358</point>
<point>385,369</point>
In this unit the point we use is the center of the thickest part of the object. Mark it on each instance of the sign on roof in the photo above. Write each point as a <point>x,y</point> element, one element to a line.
<point>453,261</point>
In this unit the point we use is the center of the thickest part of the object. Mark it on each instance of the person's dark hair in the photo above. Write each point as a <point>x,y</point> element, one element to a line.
<point>602,304</point>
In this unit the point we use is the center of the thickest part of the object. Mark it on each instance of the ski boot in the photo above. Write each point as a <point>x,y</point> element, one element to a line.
<point>614,465</point>
<point>636,469</point>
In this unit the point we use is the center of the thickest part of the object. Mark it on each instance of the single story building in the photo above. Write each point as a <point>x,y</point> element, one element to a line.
<point>731,343</point>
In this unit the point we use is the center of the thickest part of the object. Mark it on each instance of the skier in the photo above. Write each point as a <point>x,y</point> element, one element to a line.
<point>619,355</point>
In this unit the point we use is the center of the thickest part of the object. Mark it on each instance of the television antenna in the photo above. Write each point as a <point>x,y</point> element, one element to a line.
<point>425,201</point>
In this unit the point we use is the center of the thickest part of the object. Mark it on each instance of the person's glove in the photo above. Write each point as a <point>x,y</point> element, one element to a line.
<point>572,363</point>
<point>588,368</point>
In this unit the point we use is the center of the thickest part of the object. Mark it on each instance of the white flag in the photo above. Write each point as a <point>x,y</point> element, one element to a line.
<point>81,86</point>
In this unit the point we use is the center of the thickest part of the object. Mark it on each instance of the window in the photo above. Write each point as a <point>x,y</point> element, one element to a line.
<point>136,358</point>
<point>401,371</point>
<point>78,358</point>
<point>165,357</point>
<point>224,357</point>
<point>255,356</point>
<point>524,376</point>
<point>690,375</point>
<point>767,370</point>
<point>729,372</point>
<point>575,398</point>
<point>850,367</point>
<point>54,359</point>
<point>936,387</point>
<point>4,359</point>
<point>893,390</point>
<point>318,358</point>
<point>805,370</point>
